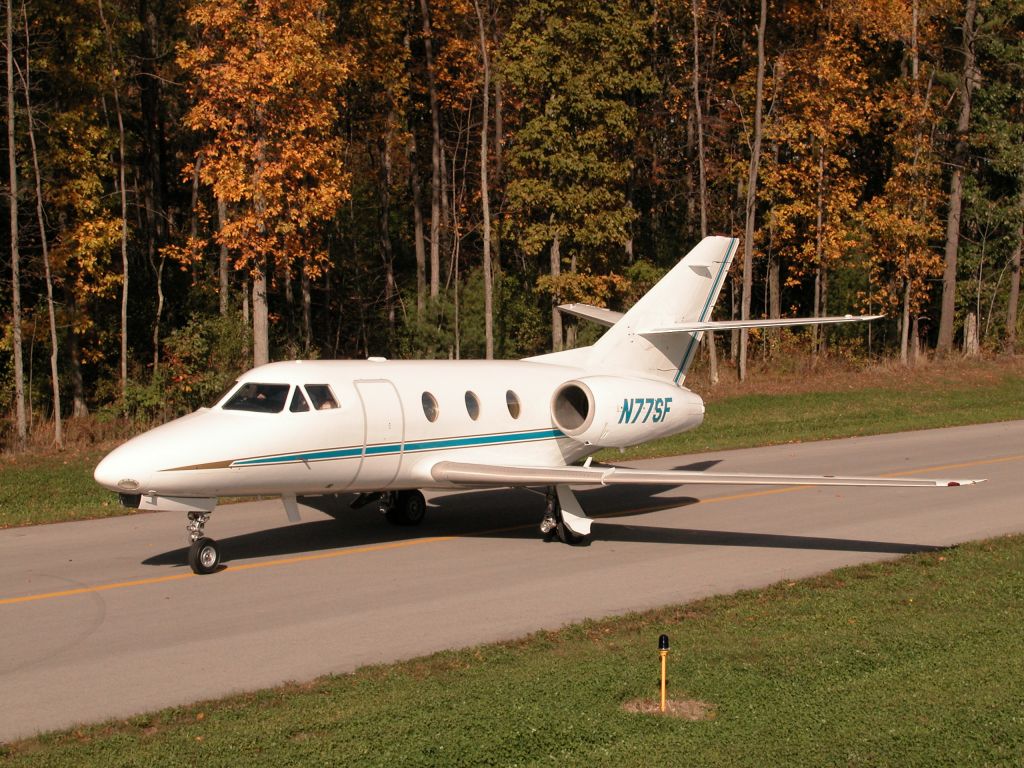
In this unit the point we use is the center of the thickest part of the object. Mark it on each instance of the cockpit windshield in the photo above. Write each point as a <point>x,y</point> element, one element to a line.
<point>261,398</point>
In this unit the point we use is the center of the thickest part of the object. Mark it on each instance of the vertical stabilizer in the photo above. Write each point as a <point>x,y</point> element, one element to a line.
<point>686,294</point>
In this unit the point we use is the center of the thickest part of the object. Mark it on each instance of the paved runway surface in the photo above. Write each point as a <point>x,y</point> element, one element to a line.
<point>104,619</point>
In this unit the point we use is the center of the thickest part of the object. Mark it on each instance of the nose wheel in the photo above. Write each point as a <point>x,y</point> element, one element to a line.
<point>204,552</point>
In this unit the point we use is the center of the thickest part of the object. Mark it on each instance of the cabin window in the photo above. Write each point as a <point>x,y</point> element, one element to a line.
<point>429,406</point>
<point>260,398</point>
<point>512,401</point>
<point>299,404</point>
<point>472,406</point>
<point>321,397</point>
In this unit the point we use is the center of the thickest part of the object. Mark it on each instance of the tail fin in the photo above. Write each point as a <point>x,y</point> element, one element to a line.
<point>687,294</point>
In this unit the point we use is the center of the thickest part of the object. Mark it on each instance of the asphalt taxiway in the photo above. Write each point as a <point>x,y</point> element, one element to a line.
<point>103,618</point>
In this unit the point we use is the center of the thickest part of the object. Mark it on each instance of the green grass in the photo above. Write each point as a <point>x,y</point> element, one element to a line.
<point>918,662</point>
<point>749,420</point>
<point>54,488</point>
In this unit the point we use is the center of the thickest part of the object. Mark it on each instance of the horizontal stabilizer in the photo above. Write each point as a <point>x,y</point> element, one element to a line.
<point>600,315</point>
<point>460,473</point>
<point>728,325</point>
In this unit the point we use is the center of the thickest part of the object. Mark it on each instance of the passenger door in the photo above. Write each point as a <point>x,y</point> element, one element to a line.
<point>383,435</point>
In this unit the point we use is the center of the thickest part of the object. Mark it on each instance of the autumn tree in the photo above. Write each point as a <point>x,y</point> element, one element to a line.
<point>264,78</point>
<point>902,223</point>
<point>575,69</point>
<point>821,109</point>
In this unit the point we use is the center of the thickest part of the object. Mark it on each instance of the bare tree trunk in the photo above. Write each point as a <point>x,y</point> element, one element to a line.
<point>157,265</point>
<point>435,157</point>
<point>970,76</point>
<point>260,320</point>
<point>699,120</point>
<point>417,219</point>
<point>820,277</point>
<point>222,263</point>
<point>21,425</point>
<point>751,207</point>
<point>307,308</point>
<point>416,187</point>
<point>58,425</point>
<point>556,316</point>
<point>124,202</point>
<point>1011,307</point>
<point>971,343</point>
<point>905,325</point>
<point>499,168</point>
<point>709,337</point>
<point>485,194</point>
<point>384,226</point>
<point>79,407</point>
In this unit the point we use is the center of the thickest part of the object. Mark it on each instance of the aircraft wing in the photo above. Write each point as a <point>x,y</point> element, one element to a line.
<point>462,473</point>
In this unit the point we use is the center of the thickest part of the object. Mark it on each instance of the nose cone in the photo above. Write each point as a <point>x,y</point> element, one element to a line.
<point>121,471</point>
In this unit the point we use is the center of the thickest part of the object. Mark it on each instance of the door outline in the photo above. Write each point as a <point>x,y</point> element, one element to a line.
<point>376,397</point>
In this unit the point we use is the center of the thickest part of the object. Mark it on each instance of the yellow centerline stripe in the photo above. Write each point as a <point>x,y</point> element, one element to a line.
<point>239,567</point>
<point>437,539</point>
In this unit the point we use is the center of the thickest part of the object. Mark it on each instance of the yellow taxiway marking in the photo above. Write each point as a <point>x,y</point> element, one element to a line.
<point>437,539</point>
<point>239,567</point>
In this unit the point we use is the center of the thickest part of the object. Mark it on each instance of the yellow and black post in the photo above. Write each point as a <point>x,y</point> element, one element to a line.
<point>663,652</point>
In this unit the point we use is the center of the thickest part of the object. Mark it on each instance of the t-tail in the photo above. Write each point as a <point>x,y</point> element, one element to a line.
<point>659,336</point>
<point>651,340</point>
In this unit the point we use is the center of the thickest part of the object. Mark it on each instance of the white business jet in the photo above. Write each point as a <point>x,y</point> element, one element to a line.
<point>385,429</point>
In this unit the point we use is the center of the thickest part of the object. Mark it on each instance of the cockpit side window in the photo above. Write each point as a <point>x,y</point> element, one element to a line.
<point>299,404</point>
<point>223,394</point>
<point>321,396</point>
<point>260,398</point>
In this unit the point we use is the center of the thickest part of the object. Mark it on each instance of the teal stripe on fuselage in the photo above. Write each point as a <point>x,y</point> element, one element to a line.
<point>393,448</point>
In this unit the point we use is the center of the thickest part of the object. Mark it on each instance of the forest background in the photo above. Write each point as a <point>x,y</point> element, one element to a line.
<point>197,187</point>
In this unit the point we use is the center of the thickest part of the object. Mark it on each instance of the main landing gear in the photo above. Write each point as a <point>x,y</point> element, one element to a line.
<point>564,517</point>
<point>204,553</point>
<point>403,507</point>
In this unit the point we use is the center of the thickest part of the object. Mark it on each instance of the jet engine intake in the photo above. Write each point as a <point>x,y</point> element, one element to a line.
<point>615,412</point>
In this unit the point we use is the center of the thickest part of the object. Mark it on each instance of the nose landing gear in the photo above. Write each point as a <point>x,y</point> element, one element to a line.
<point>204,553</point>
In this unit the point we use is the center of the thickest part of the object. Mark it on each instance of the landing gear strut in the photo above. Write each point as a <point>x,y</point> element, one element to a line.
<point>553,524</point>
<point>203,554</point>
<point>403,507</point>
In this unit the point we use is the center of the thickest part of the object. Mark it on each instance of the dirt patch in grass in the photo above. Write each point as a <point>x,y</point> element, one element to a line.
<point>684,709</point>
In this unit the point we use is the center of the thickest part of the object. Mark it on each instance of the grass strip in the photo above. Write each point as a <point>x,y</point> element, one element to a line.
<point>53,488</point>
<point>770,419</point>
<point>915,662</point>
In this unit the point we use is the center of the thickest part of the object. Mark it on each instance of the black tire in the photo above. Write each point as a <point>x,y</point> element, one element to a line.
<point>410,509</point>
<point>204,556</point>
<point>567,536</point>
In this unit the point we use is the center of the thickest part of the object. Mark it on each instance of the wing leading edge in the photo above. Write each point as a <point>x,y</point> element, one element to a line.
<point>461,473</point>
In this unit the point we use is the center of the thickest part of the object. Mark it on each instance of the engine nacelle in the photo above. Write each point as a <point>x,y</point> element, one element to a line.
<point>615,412</point>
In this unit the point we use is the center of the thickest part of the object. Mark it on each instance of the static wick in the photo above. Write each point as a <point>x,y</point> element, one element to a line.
<point>663,652</point>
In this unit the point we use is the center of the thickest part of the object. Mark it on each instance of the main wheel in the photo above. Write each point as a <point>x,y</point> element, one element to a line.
<point>204,556</point>
<point>409,509</point>
<point>567,536</point>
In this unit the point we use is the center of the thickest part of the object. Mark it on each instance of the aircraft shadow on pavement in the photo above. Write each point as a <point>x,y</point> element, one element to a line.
<point>503,513</point>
